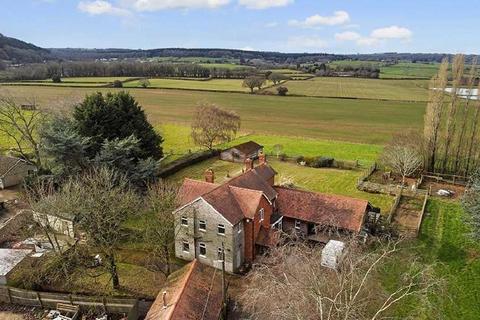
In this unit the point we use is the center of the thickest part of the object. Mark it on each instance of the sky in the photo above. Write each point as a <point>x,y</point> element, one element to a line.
<point>332,26</point>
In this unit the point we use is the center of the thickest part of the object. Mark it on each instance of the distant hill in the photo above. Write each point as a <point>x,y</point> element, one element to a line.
<point>17,51</point>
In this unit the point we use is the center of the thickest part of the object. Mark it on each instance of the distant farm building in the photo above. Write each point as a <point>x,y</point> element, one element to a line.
<point>241,152</point>
<point>13,171</point>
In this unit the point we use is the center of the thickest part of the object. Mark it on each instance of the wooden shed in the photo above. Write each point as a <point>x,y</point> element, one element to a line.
<point>241,152</point>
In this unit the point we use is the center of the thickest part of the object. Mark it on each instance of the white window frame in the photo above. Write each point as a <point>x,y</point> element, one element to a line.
<point>261,213</point>
<point>200,222</point>
<point>184,219</point>
<point>185,242</point>
<point>200,246</point>
<point>298,224</point>
<point>218,229</point>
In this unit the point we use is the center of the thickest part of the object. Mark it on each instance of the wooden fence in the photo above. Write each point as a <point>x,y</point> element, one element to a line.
<point>367,173</point>
<point>398,197</point>
<point>447,178</point>
<point>47,300</point>
<point>424,208</point>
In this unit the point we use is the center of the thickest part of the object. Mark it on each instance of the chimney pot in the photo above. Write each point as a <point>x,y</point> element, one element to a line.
<point>262,158</point>
<point>209,175</point>
<point>248,164</point>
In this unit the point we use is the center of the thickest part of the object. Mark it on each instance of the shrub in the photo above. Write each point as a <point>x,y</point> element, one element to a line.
<point>322,162</point>
<point>299,159</point>
<point>282,157</point>
<point>117,84</point>
<point>56,79</point>
<point>282,91</point>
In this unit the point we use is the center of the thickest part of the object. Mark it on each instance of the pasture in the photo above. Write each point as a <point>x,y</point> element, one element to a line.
<point>343,87</point>
<point>363,121</point>
<point>234,85</point>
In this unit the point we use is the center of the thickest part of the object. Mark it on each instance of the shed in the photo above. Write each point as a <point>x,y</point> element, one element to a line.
<point>13,170</point>
<point>332,254</point>
<point>241,152</point>
<point>9,259</point>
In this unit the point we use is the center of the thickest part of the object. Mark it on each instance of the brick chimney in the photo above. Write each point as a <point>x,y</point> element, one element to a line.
<point>209,175</point>
<point>262,158</point>
<point>248,164</point>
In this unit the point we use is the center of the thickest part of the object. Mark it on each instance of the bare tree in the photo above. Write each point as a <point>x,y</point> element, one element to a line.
<point>277,77</point>
<point>144,83</point>
<point>403,154</point>
<point>291,283</point>
<point>20,126</point>
<point>159,233</point>
<point>434,112</point>
<point>473,139</point>
<point>212,125</point>
<point>253,82</point>
<point>100,201</point>
<point>457,70</point>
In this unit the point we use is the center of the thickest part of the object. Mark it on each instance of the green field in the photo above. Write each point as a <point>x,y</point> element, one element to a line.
<point>444,243</point>
<point>213,84</point>
<point>365,121</point>
<point>404,90</point>
<point>409,70</point>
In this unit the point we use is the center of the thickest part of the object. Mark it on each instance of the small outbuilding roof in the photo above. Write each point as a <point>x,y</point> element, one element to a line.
<point>247,148</point>
<point>192,293</point>
<point>323,209</point>
<point>10,258</point>
<point>7,164</point>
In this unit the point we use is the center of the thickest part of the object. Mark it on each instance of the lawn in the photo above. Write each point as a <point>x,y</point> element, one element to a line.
<point>331,181</point>
<point>177,141</point>
<point>234,85</point>
<point>364,121</point>
<point>403,90</point>
<point>445,243</point>
<point>409,70</point>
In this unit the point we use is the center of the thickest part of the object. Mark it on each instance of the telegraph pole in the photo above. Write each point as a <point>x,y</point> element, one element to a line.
<point>224,289</point>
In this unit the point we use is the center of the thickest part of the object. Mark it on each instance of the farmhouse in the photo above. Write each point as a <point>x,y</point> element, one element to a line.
<point>243,216</point>
<point>191,293</point>
<point>13,171</point>
<point>9,259</point>
<point>241,152</point>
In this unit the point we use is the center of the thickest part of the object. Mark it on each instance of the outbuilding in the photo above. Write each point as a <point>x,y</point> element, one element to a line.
<point>13,171</point>
<point>242,152</point>
<point>9,259</point>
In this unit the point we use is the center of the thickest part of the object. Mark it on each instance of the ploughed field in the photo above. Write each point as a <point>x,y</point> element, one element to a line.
<point>352,120</point>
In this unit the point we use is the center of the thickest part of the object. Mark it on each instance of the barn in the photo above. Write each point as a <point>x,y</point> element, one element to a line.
<point>241,152</point>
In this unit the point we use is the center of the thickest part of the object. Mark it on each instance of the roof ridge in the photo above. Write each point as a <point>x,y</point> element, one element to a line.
<point>251,190</point>
<point>184,285</point>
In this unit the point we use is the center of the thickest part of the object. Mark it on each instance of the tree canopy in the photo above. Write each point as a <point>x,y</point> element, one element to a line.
<point>116,116</point>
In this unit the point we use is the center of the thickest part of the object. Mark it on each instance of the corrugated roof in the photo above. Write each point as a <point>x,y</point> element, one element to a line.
<point>10,258</point>
<point>329,210</point>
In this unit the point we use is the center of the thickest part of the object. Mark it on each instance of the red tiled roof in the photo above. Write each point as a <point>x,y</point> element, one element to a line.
<point>195,294</point>
<point>252,179</point>
<point>192,189</point>
<point>332,210</point>
<point>237,199</point>
<point>247,148</point>
<point>265,171</point>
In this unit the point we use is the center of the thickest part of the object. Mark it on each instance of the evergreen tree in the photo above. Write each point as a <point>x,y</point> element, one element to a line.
<point>116,116</point>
